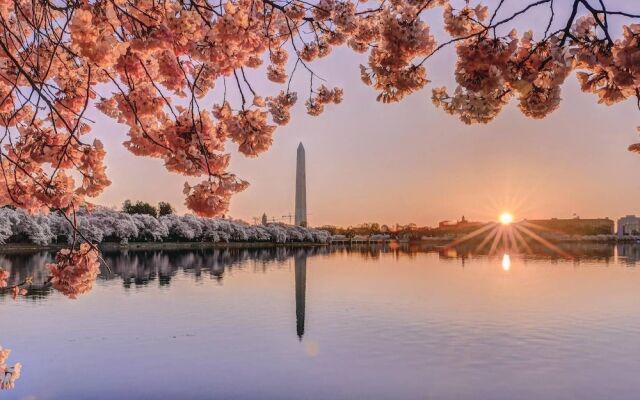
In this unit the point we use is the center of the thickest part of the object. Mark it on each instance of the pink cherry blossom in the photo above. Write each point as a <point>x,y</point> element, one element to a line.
<point>8,374</point>
<point>75,270</point>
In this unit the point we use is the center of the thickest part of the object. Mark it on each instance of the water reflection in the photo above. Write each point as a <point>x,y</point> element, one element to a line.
<point>410,306</point>
<point>300,260</point>
<point>506,262</point>
<point>141,268</point>
<point>628,253</point>
<point>23,265</point>
<point>574,252</point>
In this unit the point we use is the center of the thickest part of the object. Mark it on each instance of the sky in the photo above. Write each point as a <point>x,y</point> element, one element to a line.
<point>410,162</point>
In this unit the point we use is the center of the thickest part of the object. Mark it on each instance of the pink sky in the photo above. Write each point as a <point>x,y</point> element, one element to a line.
<point>410,162</point>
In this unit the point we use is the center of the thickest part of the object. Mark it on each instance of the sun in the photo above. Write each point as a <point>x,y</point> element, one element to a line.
<point>505,218</point>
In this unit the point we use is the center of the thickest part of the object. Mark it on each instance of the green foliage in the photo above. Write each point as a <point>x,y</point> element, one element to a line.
<point>139,207</point>
<point>165,208</point>
<point>366,229</point>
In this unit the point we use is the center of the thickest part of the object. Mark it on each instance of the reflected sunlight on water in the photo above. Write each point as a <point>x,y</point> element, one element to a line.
<point>506,262</point>
<point>408,322</point>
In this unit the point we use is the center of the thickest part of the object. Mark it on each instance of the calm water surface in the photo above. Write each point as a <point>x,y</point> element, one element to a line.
<point>339,323</point>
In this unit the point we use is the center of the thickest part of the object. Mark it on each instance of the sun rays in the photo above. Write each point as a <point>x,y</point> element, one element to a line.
<point>507,237</point>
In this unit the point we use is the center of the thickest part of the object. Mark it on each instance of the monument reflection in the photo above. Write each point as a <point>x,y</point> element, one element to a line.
<point>300,265</point>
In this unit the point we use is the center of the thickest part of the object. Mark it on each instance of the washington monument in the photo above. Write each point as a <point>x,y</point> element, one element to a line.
<point>301,189</point>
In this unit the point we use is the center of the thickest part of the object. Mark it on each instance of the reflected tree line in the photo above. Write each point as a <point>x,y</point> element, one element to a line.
<point>143,267</point>
<point>140,268</point>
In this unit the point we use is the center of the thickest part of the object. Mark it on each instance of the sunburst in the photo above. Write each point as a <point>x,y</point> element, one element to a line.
<point>506,218</point>
<point>508,237</point>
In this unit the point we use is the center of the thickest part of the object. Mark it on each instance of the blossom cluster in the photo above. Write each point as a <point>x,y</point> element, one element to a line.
<point>16,290</point>
<point>8,374</point>
<point>490,71</point>
<point>397,37</point>
<point>466,21</point>
<point>323,95</point>
<point>611,72</point>
<point>75,270</point>
<point>279,106</point>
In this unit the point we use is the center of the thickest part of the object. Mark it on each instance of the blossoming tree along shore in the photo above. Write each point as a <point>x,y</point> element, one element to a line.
<point>151,64</point>
<point>73,272</point>
<point>107,225</point>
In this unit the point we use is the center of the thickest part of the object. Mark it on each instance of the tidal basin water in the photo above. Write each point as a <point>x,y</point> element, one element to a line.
<point>371,322</point>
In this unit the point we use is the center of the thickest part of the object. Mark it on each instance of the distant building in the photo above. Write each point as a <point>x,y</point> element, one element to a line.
<point>628,226</point>
<point>462,226</point>
<point>264,219</point>
<point>576,226</point>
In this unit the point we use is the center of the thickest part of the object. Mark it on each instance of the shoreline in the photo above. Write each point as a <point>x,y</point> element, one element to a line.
<point>10,248</point>
<point>112,246</point>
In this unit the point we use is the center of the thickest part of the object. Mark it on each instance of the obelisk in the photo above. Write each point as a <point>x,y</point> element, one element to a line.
<point>301,188</point>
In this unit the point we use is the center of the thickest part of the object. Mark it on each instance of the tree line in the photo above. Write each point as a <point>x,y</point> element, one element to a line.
<point>138,224</point>
<point>141,207</point>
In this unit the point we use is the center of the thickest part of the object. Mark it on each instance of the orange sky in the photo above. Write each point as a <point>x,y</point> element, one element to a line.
<point>409,162</point>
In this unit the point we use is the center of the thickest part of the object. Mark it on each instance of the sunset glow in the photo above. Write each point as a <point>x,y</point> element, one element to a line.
<point>506,218</point>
